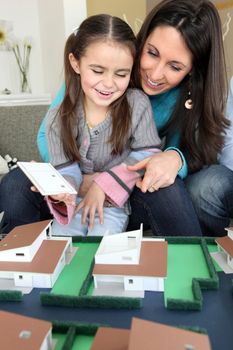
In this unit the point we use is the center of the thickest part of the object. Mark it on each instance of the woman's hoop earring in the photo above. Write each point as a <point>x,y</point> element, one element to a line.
<point>189,103</point>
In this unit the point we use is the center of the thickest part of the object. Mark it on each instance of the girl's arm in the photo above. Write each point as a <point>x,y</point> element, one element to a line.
<point>118,182</point>
<point>61,206</point>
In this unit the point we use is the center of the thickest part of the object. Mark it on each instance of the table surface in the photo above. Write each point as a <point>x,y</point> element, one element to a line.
<point>216,316</point>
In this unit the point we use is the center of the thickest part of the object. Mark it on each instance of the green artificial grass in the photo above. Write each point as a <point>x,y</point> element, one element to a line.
<point>74,335</point>
<point>60,339</point>
<point>71,279</point>
<point>82,342</point>
<point>185,261</point>
<point>190,269</point>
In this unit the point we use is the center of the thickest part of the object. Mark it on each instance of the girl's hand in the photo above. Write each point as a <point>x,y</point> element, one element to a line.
<point>86,184</point>
<point>66,198</point>
<point>92,202</point>
<point>161,170</point>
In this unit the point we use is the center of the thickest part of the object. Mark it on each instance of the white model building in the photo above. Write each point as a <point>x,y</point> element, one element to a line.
<point>128,260</point>
<point>31,257</point>
<point>24,333</point>
<point>225,245</point>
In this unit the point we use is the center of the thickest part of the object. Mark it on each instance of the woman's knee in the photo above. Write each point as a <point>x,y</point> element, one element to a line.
<point>210,184</point>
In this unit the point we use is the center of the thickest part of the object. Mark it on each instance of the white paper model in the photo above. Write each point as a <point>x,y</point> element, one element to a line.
<point>137,264</point>
<point>225,247</point>
<point>25,255</point>
<point>46,178</point>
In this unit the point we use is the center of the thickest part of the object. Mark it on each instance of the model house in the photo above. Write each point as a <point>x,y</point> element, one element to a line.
<point>31,257</point>
<point>128,260</point>
<point>24,333</point>
<point>225,245</point>
<point>149,335</point>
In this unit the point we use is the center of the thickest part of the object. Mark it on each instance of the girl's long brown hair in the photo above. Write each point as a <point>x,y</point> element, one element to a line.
<point>201,128</point>
<point>95,28</point>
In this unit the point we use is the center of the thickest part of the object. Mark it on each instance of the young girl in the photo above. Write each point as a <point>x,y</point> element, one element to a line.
<point>100,126</point>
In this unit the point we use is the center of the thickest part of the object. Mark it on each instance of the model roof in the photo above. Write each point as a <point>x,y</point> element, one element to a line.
<point>45,261</point>
<point>153,262</point>
<point>226,243</point>
<point>149,335</point>
<point>23,236</point>
<point>22,332</point>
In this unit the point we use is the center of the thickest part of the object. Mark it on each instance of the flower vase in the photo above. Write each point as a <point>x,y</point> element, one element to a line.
<point>25,86</point>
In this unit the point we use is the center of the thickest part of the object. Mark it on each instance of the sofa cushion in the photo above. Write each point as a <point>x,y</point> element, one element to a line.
<point>19,126</point>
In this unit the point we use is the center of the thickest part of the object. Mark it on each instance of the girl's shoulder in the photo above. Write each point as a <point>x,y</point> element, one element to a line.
<point>136,96</point>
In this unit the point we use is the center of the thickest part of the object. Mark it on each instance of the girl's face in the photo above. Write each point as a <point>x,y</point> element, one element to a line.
<point>104,71</point>
<point>165,60</point>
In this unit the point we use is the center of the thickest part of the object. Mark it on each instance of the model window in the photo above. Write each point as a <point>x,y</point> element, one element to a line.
<point>25,334</point>
<point>126,258</point>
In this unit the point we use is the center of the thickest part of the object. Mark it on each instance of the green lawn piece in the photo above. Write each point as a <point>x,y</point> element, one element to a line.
<point>71,279</point>
<point>82,342</point>
<point>184,263</point>
<point>60,339</point>
<point>190,269</point>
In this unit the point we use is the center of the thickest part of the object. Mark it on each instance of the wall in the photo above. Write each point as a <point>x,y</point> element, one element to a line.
<point>225,8</point>
<point>48,23</point>
<point>26,23</point>
<point>132,11</point>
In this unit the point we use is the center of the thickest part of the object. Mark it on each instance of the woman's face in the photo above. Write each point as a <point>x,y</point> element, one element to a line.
<point>165,60</point>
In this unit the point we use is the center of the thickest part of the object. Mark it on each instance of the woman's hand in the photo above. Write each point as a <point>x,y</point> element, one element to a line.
<point>92,202</point>
<point>160,170</point>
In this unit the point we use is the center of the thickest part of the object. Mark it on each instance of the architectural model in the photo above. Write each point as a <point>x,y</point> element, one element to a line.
<point>149,335</point>
<point>24,333</point>
<point>31,257</point>
<point>128,261</point>
<point>224,256</point>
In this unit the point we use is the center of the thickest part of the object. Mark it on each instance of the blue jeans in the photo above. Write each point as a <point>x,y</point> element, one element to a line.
<point>20,205</point>
<point>211,190</point>
<point>168,212</point>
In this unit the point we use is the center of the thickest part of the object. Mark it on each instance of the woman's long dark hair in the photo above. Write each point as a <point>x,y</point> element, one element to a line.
<point>95,28</point>
<point>202,127</point>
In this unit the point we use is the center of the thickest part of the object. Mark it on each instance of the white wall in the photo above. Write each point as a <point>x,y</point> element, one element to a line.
<point>48,23</point>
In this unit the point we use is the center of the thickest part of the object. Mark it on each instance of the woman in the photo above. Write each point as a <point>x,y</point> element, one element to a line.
<point>180,58</point>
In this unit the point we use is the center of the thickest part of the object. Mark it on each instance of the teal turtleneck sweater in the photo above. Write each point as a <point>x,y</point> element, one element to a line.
<point>162,106</point>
